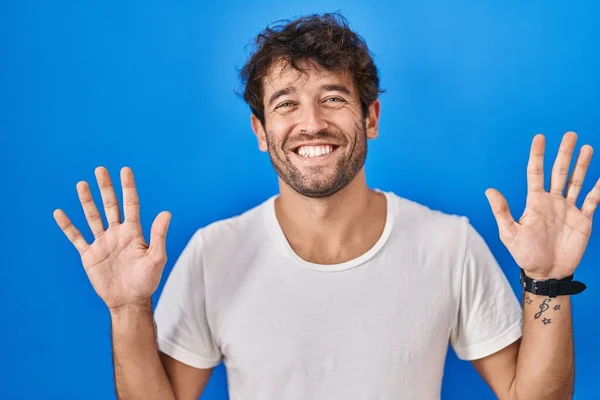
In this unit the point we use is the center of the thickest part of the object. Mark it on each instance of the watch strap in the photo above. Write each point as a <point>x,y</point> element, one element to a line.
<point>552,287</point>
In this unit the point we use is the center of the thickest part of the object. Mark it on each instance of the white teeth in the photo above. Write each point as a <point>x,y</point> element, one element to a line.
<point>315,151</point>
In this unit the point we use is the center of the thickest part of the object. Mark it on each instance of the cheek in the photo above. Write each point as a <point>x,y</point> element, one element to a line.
<point>279,124</point>
<point>345,120</point>
<point>277,131</point>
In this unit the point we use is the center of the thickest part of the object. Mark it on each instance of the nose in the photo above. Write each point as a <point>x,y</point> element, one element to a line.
<point>312,120</point>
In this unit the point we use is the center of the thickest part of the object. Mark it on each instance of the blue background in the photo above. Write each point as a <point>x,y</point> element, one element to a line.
<point>150,84</point>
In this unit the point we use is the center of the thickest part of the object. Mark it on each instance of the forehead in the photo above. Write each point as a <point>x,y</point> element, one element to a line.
<point>283,75</point>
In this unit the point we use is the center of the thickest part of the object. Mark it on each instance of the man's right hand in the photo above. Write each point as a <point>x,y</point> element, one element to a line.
<point>123,269</point>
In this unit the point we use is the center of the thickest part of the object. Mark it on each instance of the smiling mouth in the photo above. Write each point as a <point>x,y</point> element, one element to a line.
<point>315,151</point>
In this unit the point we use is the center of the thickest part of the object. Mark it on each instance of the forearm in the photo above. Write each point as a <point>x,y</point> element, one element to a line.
<point>139,373</point>
<point>545,364</point>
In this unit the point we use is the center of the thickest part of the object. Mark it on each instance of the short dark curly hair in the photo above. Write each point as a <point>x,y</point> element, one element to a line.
<point>324,39</point>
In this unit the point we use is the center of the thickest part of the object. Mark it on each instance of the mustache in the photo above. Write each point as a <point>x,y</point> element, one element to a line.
<point>326,136</point>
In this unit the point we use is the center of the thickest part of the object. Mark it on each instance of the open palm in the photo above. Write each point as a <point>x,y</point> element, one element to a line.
<point>551,236</point>
<point>121,266</point>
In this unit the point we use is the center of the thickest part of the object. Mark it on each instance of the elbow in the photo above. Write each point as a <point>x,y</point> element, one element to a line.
<point>562,391</point>
<point>559,393</point>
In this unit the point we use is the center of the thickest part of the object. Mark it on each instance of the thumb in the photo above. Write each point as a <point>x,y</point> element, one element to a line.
<point>158,236</point>
<point>504,219</point>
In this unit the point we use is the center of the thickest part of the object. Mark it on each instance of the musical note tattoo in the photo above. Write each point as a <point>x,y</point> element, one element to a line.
<point>543,307</point>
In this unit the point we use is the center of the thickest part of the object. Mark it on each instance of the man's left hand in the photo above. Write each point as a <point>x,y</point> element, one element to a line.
<point>550,238</point>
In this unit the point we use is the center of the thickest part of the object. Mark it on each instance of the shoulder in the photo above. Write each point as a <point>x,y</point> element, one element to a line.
<point>426,223</point>
<point>436,233</point>
<point>234,233</point>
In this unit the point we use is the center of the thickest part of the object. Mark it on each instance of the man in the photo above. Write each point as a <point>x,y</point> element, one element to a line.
<point>332,290</point>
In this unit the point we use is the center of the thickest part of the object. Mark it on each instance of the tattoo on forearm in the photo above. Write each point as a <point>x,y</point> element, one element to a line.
<point>543,307</point>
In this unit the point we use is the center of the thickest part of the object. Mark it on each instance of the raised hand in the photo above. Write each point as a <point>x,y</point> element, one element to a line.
<point>122,268</point>
<point>551,236</point>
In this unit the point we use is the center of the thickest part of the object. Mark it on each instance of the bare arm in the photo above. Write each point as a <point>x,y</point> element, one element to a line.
<point>125,270</point>
<point>548,241</point>
<point>545,367</point>
<point>187,382</point>
<point>541,364</point>
<point>141,371</point>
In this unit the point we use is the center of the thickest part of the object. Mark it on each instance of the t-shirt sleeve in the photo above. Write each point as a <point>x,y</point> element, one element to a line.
<point>489,316</point>
<point>182,326</point>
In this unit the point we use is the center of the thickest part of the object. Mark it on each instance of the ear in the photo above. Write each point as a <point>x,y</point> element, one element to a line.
<point>259,131</point>
<point>372,119</point>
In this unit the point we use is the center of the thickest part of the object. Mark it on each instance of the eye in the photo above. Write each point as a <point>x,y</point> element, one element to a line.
<point>334,100</point>
<point>284,105</point>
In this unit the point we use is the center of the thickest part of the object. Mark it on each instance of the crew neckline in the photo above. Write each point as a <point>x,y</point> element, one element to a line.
<point>286,248</point>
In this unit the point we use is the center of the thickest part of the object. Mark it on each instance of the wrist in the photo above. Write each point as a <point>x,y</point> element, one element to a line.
<point>130,318</point>
<point>131,308</point>
<point>551,287</point>
<point>546,276</point>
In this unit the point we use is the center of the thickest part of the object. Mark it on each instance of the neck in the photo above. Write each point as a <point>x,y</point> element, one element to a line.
<point>332,229</point>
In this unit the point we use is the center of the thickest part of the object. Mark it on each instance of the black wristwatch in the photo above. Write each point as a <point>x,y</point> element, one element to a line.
<point>552,287</point>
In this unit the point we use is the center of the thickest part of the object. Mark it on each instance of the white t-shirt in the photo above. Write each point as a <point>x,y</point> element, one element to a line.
<point>374,328</point>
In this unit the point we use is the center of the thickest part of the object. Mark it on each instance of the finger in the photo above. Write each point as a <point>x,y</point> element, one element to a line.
<point>109,198</point>
<point>535,166</point>
<point>89,209</point>
<point>591,201</point>
<point>578,175</point>
<point>131,202</point>
<point>69,230</point>
<point>158,237</point>
<point>504,219</point>
<point>560,169</point>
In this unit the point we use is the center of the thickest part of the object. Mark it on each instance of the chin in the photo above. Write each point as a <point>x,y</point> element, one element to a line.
<point>320,189</point>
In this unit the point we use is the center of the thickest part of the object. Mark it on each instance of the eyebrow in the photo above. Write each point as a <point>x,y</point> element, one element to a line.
<point>280,93</point>
<point>291,89</point>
